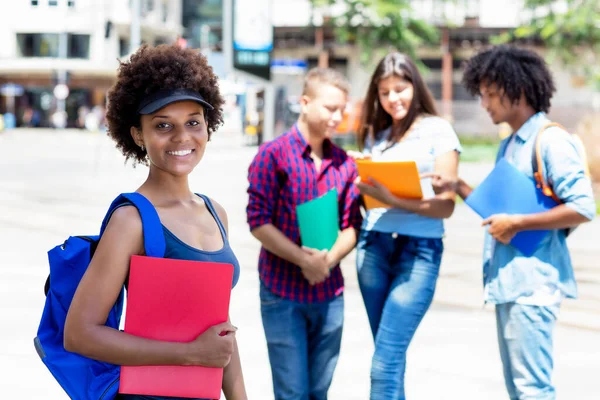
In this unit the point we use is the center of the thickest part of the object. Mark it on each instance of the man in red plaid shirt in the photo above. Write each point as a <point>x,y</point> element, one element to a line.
<point>301,289</point>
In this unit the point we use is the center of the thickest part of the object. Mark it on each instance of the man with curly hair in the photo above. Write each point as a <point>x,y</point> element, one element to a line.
<point>162,111</point>
<point>301,289</point>
<point>515,86</point>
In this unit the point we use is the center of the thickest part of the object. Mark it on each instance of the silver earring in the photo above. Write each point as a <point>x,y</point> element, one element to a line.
<point>143,148</point>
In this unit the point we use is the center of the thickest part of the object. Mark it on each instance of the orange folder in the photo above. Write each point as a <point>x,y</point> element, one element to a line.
<point>175,300</point>
<point>400,177</point>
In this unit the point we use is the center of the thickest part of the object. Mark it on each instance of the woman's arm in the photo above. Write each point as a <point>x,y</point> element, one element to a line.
<point>233,379</point>
<point>85,332</point>
<point>440,206</point>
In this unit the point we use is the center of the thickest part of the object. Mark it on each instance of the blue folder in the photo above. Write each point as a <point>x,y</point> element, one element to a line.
<point>506,190</point>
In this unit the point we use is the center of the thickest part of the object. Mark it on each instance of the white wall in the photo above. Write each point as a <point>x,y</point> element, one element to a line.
<point>87,17</point>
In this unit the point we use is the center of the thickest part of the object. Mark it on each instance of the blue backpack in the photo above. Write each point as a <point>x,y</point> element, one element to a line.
<point>81,377</point>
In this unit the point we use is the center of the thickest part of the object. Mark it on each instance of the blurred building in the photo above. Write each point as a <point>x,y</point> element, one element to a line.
<point>85,38</point>
<point>466,26</point>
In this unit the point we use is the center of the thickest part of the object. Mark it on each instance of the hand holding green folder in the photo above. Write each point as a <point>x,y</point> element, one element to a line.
<point>318,221</point>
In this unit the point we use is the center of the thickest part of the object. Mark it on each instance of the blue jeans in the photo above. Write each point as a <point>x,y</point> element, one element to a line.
<point>525,339</point>
<point>397,275</point>
<point>304,344</point>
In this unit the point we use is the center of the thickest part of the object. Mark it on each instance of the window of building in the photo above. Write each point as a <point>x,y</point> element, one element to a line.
<point>71,3</point>
<point>48,44</point>
<point>123,47</point>
<point>165,11</point>
<point>38,44</point>
<point>53,3</point>
<point>196,13</point>
<point>34,3</point>
<point>79,46</point>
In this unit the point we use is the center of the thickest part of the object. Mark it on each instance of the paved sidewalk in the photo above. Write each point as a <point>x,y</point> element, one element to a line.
<point>53,184</point>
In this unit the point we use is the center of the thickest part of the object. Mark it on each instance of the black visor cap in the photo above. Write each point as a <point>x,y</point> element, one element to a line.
<point>154,102</point>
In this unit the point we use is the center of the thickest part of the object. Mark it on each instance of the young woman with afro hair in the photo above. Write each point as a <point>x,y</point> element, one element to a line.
<point>161,112</point>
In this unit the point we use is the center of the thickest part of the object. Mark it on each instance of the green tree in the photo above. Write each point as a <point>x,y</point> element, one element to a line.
<point>379,25</point>
<point>570,29</point>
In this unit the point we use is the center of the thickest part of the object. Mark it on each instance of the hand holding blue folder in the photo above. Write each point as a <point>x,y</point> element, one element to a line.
<point>506,190</point>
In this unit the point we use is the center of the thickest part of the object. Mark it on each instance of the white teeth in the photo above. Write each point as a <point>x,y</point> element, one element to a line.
<point>179,152</point>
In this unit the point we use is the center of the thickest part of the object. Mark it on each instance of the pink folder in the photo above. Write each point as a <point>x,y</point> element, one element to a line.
<point>175,300</point>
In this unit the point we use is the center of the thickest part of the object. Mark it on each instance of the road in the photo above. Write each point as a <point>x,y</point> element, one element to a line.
<point>55,184</point>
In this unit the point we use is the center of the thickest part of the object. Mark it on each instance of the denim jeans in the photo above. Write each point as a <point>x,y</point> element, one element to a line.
<point>304,344</point>
<point>397,275</point>
<point>525,340</point>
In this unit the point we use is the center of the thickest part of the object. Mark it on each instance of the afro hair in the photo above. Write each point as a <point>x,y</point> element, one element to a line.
<point>514,71</point>
<point>149,70</point>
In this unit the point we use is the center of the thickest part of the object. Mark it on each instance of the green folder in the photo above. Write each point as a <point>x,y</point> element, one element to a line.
<point>318,221</point>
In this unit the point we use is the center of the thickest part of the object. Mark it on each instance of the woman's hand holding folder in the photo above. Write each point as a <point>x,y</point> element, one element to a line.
<point>375,189</point>
<point>214,347</point>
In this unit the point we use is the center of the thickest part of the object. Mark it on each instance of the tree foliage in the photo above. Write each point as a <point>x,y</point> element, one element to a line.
<point>570,29</point>
<point>379,25</point>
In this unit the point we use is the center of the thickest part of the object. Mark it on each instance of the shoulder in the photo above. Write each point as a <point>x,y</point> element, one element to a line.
<point>124,226</point>
<point>126,218</point>
<point>555,134</point>
<point>341,158</point>
<point>220,210</point>
<point>436,125</point>
<point>272,148</point>
<point>339,153</point>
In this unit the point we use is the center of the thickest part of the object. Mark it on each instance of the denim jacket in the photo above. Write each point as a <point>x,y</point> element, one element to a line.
<point>508,274</point>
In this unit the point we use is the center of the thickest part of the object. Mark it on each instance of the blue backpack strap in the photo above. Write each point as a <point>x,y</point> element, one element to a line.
<point>154,240</point>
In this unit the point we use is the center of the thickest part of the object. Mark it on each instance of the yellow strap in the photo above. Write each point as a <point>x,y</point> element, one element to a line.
<point>539,176</point>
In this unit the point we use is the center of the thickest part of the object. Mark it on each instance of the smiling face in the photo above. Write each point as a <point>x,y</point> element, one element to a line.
<point>496,104</point>
<point>323,109</point>
<point>395,96</point>
<point>175,137</point>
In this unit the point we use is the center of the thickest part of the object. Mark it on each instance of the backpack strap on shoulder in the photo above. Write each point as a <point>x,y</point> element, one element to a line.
<point>538,164</point>
<point>154,241</point>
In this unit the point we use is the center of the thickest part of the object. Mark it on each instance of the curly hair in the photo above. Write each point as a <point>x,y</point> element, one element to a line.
<point>149,70</point>
<point>514,71</point>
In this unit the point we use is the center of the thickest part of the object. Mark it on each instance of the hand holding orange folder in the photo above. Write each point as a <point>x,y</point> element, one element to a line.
<point>400,177</point>
<point>176,301</point>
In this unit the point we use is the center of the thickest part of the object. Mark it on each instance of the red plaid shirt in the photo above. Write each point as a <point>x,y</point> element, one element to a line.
<point>283,175</point>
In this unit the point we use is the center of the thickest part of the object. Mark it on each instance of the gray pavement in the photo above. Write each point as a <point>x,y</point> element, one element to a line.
<point>53,184</point>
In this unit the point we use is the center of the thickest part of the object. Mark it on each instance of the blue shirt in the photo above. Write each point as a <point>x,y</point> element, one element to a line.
<point>509,275</point>
<point>428,139</point>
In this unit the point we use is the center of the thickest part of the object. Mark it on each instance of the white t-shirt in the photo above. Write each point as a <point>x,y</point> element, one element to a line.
<point>429,138</point>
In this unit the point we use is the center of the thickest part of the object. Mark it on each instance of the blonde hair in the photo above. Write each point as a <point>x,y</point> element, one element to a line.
<point>324,76</point>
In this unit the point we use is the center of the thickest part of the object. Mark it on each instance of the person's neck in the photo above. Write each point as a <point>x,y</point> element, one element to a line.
<point>166,189</point>
<point>314,140</point>
<point>521,116</point>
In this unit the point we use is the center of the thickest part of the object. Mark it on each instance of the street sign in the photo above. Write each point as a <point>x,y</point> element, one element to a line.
<point>61,91</point>
<point>11,90</point>
<point>289,66</point>
<point>253,37</point>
